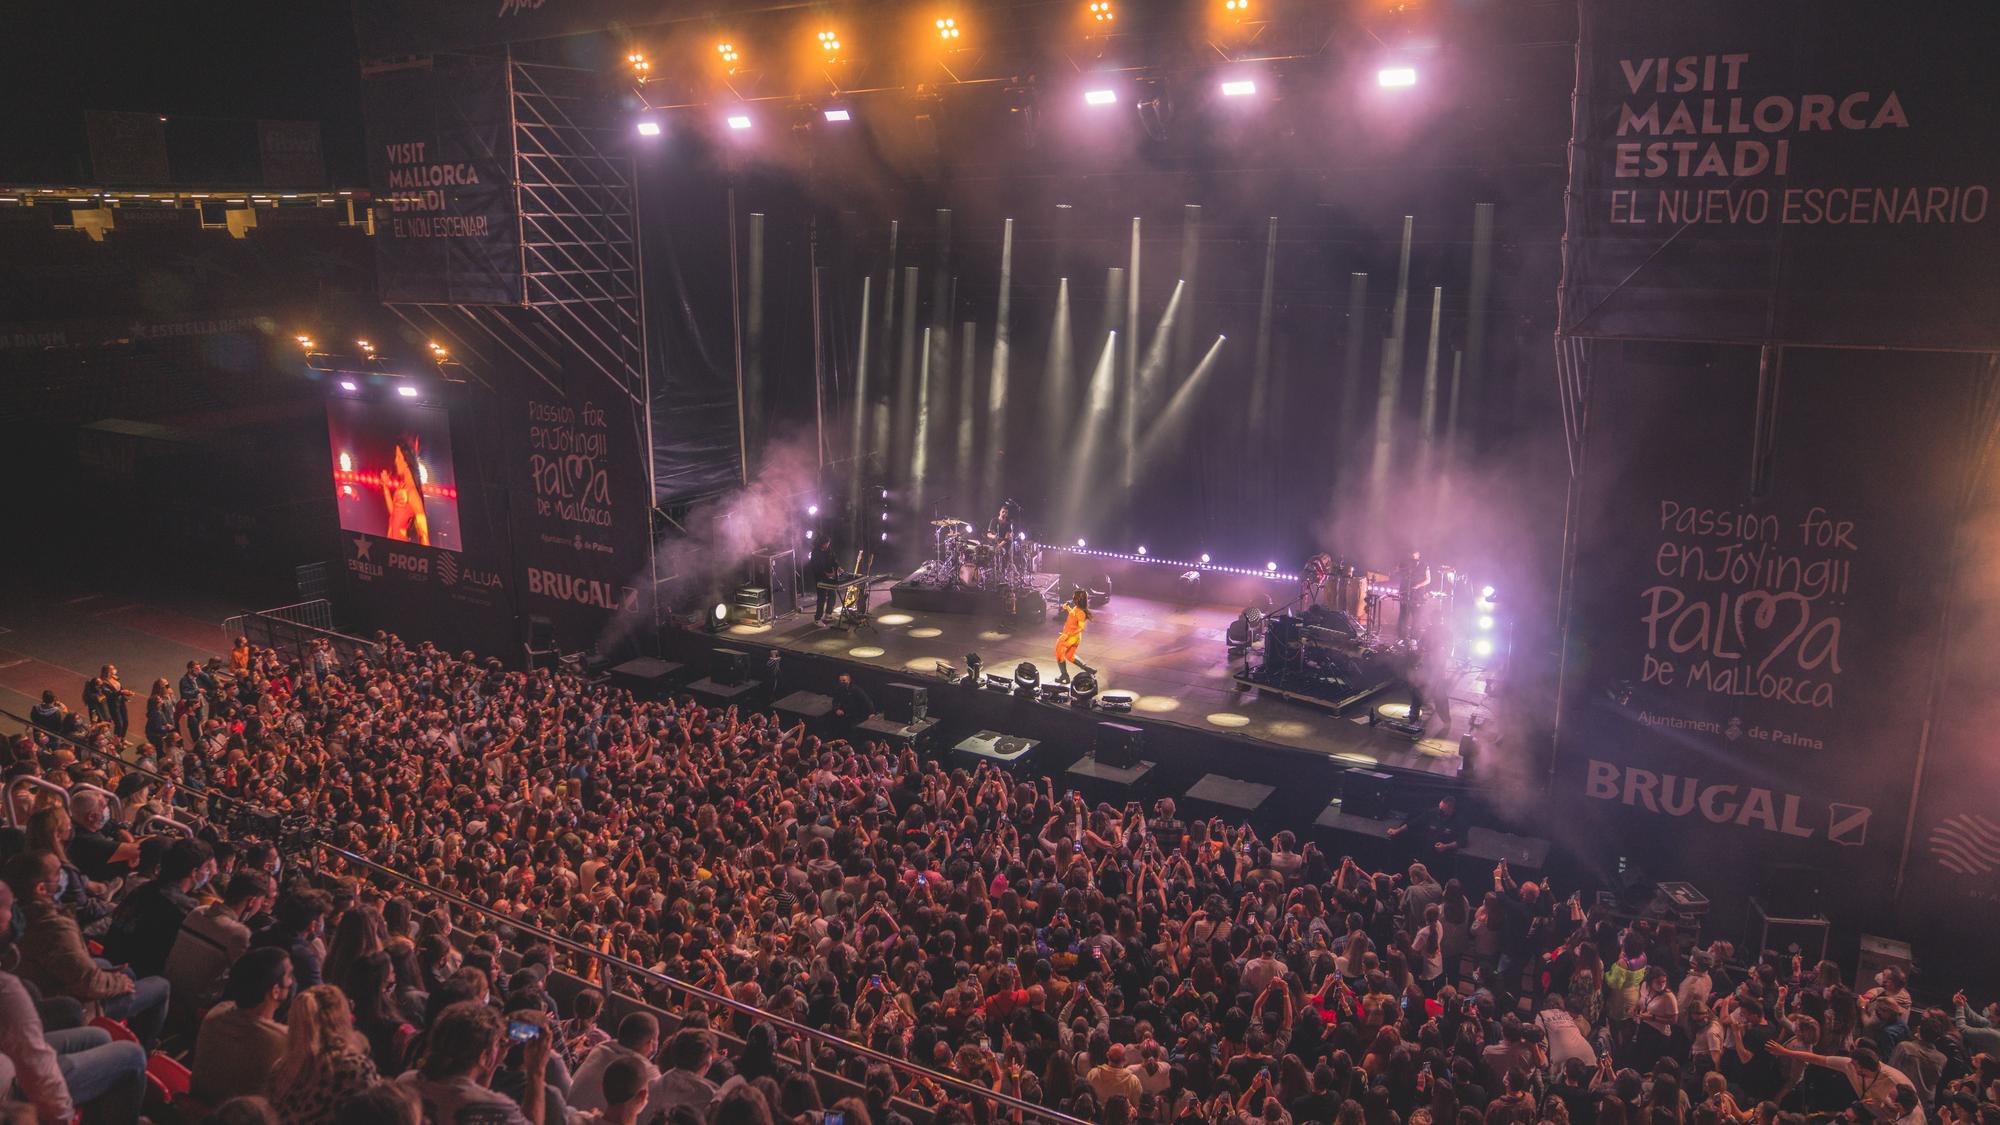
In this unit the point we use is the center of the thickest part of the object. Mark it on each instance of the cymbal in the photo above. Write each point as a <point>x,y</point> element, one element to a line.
<point>949,523</point>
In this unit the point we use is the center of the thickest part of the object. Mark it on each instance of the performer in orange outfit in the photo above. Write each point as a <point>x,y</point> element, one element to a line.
<point>1072,636</point>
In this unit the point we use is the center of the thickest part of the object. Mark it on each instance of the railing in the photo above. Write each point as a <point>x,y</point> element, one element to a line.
<point>293,629</point>
<point>616,966</point>
<point>84,749</point>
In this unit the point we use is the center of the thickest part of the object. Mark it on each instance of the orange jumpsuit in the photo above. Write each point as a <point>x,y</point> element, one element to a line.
<point>1072,635</point>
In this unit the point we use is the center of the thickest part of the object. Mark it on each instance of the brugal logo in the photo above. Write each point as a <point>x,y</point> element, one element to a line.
<point>1747,806</point>
<point>582,591</point>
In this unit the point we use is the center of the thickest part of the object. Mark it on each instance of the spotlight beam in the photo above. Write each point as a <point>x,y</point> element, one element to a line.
<point>1097,406</point>
<point>996,403</point>
<point>1168,422</point>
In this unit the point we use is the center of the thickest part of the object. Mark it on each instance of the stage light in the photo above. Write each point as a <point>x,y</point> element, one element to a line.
<point>1101,11</point>
<point>1238,88</point>
<point>947,28</point>
<point>365,346</point>
<point>838,115</point>
<point>1099,97</point>
<point>1142,548</point>
<point>1079,543</point>
<point>1204,557</point>
<point>1482,647</point>
<point>812,509</point>
<point>641,65</point>
<point>1486,621</point>
<point>829,41</point>
<point>438,350</point>
<point>1027,677</point>
<point>727,52</point>
<point>1082,689</point>
<point>1396,76</point>
<point>809,534</point>
<point>739,121</point>
<point>305,341</point>
<point>885,537</point>
<point>885,517</point>
<point>407,392</point>
<point>346,462</point>
<point>1238,7</point>
<point>1270,566</point>
<point>347,385</point>
<point>1486,593</point>
<point>649,128</point>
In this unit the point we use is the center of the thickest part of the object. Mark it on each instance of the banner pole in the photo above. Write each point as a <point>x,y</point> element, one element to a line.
<point>736,329</point>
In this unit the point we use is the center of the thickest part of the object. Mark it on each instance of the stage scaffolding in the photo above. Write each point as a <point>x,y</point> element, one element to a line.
<point>581,298</point>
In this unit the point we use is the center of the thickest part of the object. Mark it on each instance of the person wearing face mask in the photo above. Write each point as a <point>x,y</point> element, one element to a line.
<point>97,850</point>
<point>213,937</point>
<point>143,930</point>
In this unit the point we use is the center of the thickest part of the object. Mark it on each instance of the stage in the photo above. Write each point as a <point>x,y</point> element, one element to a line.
<point>1172,657</point>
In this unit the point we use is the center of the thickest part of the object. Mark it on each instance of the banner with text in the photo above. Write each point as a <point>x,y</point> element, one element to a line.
<point>289,154</point>
<point>440,161</point>
<point>577,482</point>
<point>1754,621</point>
<point>1810,171</point>
<point>395,27</point>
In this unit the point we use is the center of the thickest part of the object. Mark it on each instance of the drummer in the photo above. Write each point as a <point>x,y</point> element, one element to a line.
<point>1002,528</point>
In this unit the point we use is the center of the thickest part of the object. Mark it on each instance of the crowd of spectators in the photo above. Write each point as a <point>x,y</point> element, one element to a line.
<point>1117,964</point>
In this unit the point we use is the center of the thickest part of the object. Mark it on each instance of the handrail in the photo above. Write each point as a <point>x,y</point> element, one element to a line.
<point>695,991</point>
<point>81,746</point>
<point>15,786</point>
<point>155,818</point>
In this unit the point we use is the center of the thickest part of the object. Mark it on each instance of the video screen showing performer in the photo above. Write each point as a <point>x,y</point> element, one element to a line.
<point>392,471</point>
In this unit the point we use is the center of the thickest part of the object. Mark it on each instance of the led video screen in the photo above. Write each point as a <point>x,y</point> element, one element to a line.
<point>392,471</point>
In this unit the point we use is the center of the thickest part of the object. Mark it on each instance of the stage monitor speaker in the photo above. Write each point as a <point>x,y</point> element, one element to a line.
<point>906,703</point>
<point>646,677</point>
<point>1365,793</point>
<point>729,665</point>
<point>778,572</point>
<point>1119,744</point>
<point>1793,890</point>
<point>541,633</point>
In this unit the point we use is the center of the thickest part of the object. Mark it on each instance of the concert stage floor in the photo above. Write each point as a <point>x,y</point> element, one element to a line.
<point>1172,657</point>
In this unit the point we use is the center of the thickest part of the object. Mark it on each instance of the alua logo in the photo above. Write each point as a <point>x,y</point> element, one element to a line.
<point>582,591</point>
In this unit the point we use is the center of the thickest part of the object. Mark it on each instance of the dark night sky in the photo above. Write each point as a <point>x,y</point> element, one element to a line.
<point>203,62</point>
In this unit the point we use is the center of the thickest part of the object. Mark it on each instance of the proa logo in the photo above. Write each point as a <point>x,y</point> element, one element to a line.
<point>360,564</point>
<point>582,591</point>
<point>416,566</point>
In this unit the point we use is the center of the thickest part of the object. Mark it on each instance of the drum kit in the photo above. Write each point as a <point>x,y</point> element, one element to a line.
<point>979,563</point>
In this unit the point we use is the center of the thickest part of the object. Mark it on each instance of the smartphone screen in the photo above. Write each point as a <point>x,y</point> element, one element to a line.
<point>521,1031</point>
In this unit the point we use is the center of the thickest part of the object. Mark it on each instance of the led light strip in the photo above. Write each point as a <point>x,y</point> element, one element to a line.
<point>1211,568</point>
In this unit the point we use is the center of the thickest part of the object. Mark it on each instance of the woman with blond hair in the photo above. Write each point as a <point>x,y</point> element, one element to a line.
<point>325,1061</point>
